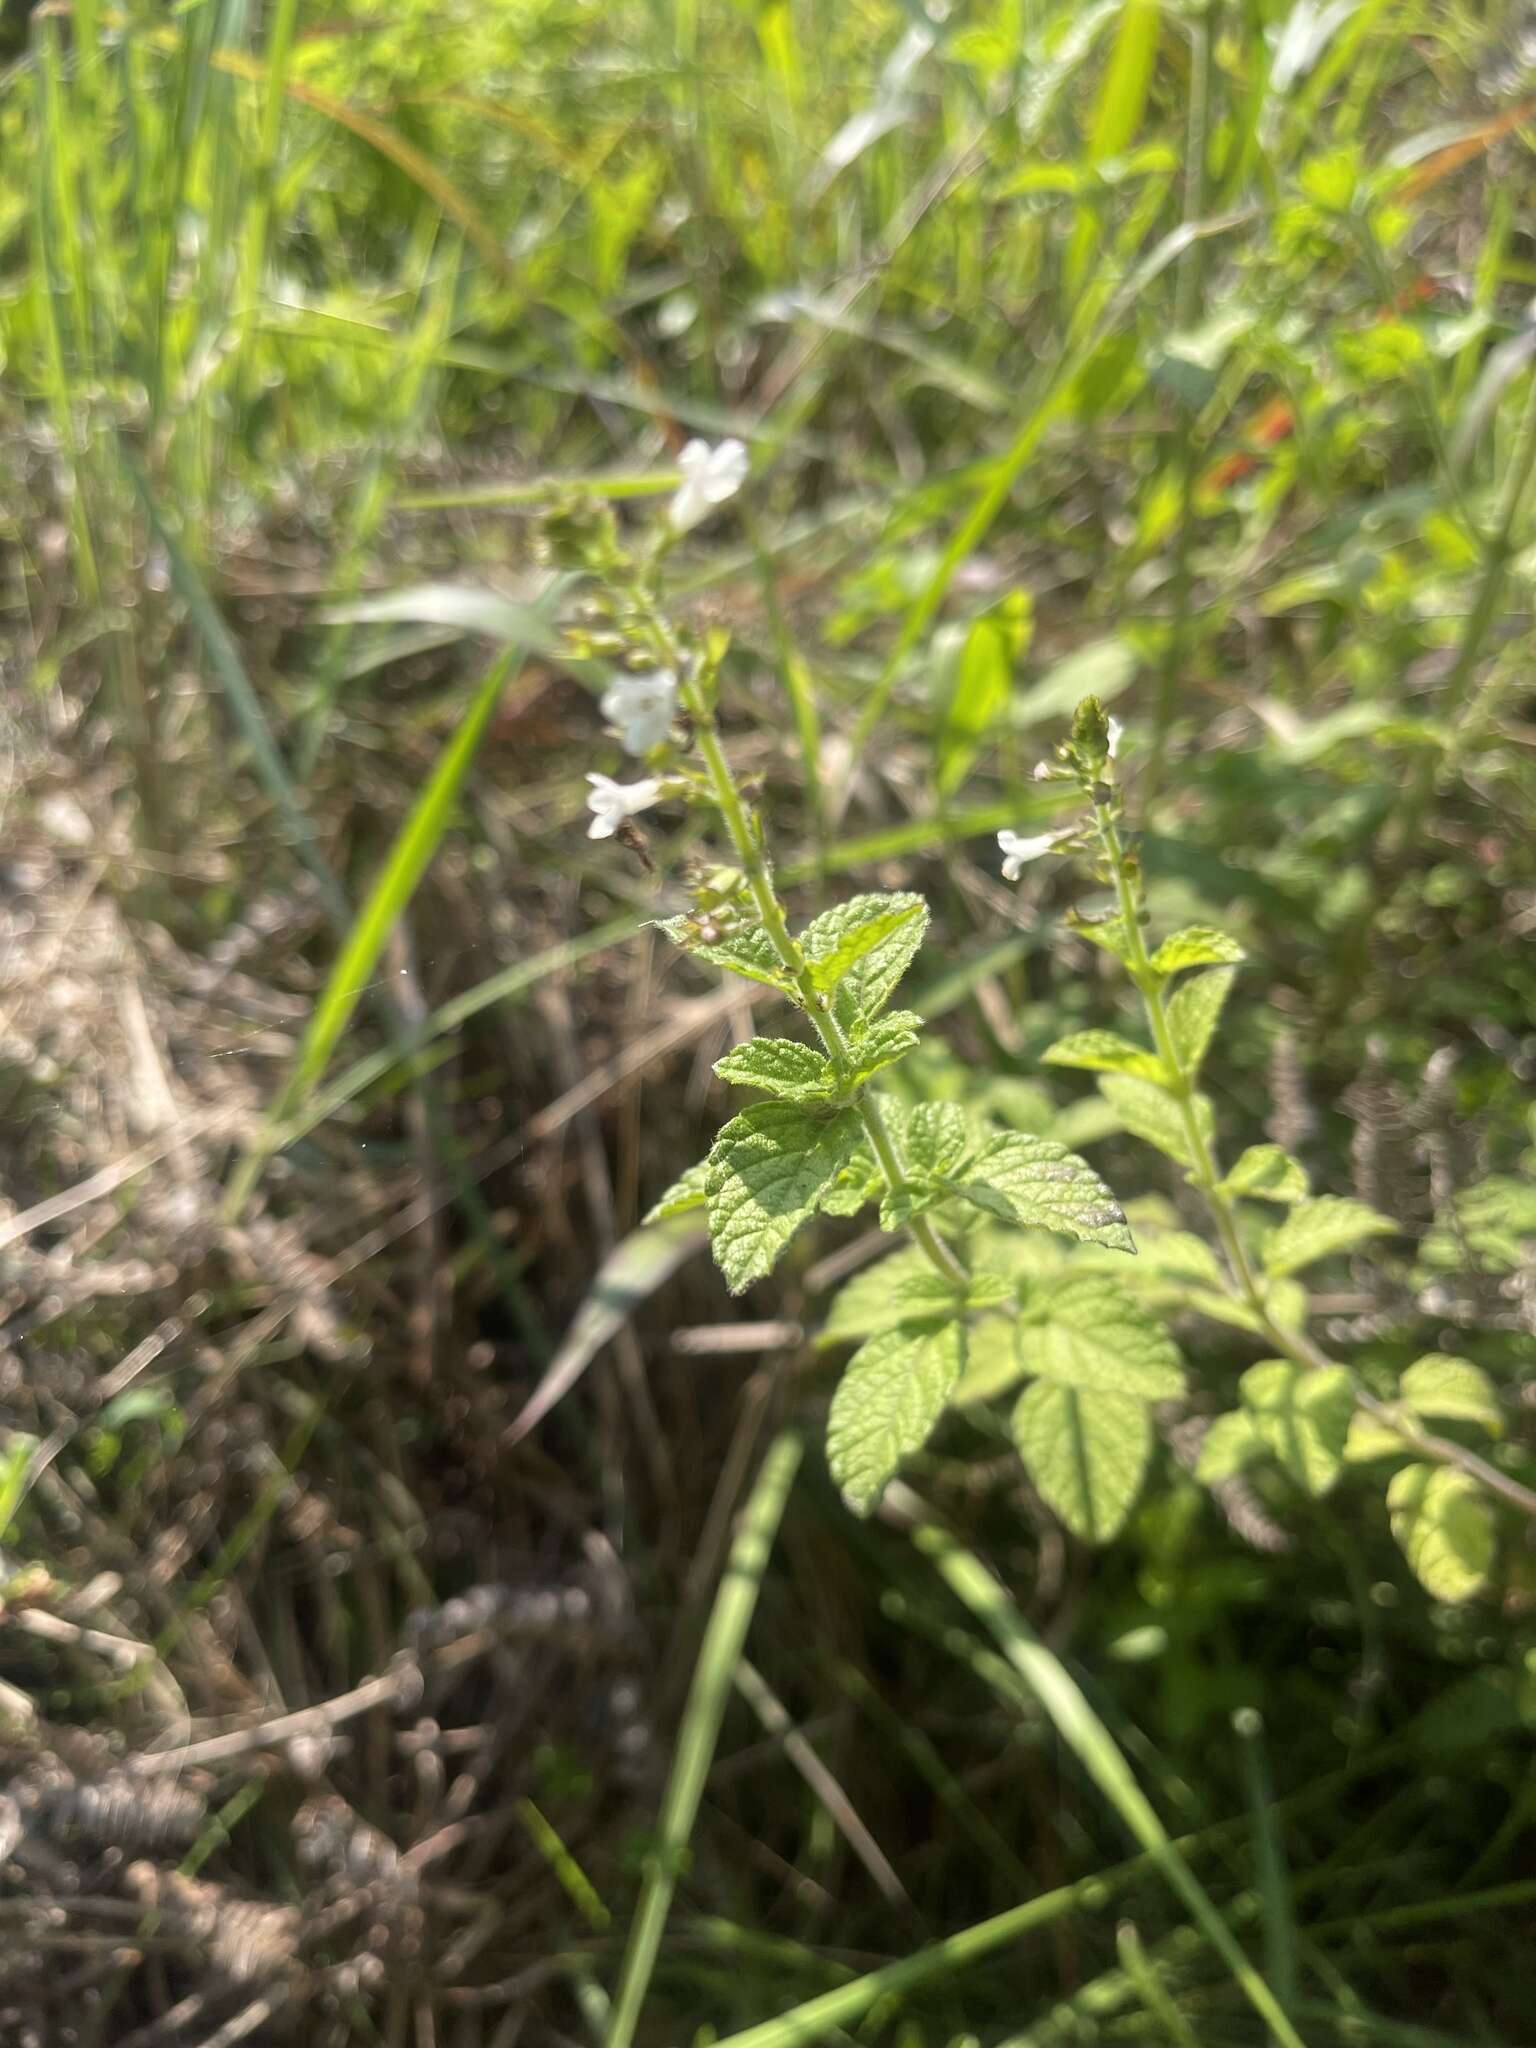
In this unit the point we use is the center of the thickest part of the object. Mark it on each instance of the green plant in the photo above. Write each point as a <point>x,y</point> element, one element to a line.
<point>978,1299</point>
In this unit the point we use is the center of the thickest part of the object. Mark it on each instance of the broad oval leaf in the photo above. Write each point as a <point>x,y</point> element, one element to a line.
<point>782,1066</point>
<point>889,1398</point>
<point>1086,1454</point>
<point>1444,1526</point>
<point>1096,1336</point>
<point>1104,1052</point>
<point>871,1301</point>
<point>1303,1417</point>
<point>767,1172</point>
<point>1313,1230</point>
<point>1193,1011</point>
<point>1039,1183</point>
<point>1198,945</point>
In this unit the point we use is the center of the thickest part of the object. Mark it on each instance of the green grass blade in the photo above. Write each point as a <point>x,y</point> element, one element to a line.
<point>409,857</point>
<point>1080,1727</point>
<point>713,1676</point>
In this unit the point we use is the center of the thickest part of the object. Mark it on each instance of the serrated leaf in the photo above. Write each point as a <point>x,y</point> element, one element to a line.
<point>1313,1230</point>
<point>865,945</point>
<point>887,1402</point>
<point>888,1039</point>
<point>1151,1114</point>
<point>936,1137</point>
<point>782,1066</point>
<point>767,1171</point>
<point>1040,1184</point>
<point>1087,1454</point>
<point>859,1182</point>
<point>1108,933</point>
<point>1096,1336</point>
<point>686,1193</point>
<point>1193,1011</point>
<point>1302,1416</point>
<point>868,1303</point>
<point>1229,1446</point>
<point>1451,1390</point>
<point>1265,1173</point>
<point>749,952</point>
<point>1198,945</point>
<point>1444,1526</point>
<point>1104,1052</point>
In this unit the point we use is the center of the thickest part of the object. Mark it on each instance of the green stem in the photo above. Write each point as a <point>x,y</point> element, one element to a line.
<point>747,842</point>
<point>1295,1344</point>
<point>753,861</point>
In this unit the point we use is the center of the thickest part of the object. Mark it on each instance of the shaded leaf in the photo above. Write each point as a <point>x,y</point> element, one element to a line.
<point>1151,1114</point>
<point>887,1402</point>
<point>767,1171</point>
<point>1096,1336</point>
<point>1230,1445</point>
<point>1086,1454</point>
<point>870,1301</point>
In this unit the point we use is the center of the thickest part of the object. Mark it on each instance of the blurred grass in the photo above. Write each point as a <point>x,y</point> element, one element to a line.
<point>1184,353</point>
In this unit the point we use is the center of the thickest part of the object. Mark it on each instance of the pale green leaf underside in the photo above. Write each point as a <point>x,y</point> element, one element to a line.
<point>1230,1445</point>
<point>992,1361</point>
<point>1104,1052</point>
<point>1086,1453</point>
<point>1194,1009</point>
<point>767,1172</point>
<point>1302,1417</point>
<point>749,952</point>
<point>871,1300</point>
<point>782,1066</point>
<point>1040,1184</point>
<point>887,1402</point>
<point>1152,1115</point>
<point>686,1193</point>
<point>1444,1527</point>
<point>1198,945</point>
<point>1314,1230</point>
<point>1097,1337</point>
<point>1265,1173</point>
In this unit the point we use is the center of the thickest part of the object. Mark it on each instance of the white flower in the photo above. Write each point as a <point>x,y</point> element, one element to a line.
<point>641,707</point>
<point>1017,850</point>
<point>1042,771</point>
<point>612,802</point>
<point>1115,731</point>
<point>710,476</point>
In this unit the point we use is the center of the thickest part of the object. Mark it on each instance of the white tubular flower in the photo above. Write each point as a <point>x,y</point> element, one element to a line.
<point>641,709</point>
<point>710,476</point>
<point>612,802</point>
<point>1116,729</point>
<point>1017,849</point>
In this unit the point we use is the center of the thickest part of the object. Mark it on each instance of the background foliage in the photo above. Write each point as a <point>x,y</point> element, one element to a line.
<point>1178,354</point>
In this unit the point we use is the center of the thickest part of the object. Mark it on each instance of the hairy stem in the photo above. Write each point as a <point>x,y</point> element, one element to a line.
<point>1295,1345</point>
